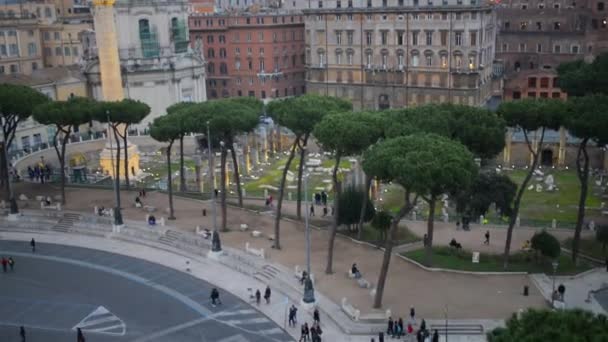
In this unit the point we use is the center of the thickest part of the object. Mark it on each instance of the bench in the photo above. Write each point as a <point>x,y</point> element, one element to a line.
<point>363,283</point>
<point>254,251</point>
<point>350,310</point>
<point>23,197</point>
<point>149,208</point>
<point>56,206</point>
<point>244,227</point>
<point>457,329</point>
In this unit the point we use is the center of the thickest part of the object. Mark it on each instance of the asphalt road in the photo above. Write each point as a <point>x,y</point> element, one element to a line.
<point>116,298</point>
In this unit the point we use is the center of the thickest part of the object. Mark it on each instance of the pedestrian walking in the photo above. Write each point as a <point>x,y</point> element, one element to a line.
<point>22,333</point>
<point>11,263</point>
<point>487,242</point>
<point>413,313</point>
<point>33,244</point>
<point>79,335</point>
<point>435,336</point>
<point>324,211</point>
<point>389,329</point>
<point>4,264</point>
<point>400,327</point>
<point>305,333</point>
<point>258,296</point>
<point>315,316</point>
<point>267,294</point>
<point>312,210</point>
<point>215,297</point>
<point>292,315</point>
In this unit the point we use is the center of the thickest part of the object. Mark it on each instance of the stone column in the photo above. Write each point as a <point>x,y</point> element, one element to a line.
<point>561,156</point>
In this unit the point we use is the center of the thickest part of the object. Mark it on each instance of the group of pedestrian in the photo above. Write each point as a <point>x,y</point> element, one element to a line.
<point>312,333</point>
<point>396,329</point>
<point>7,263</point>
<point>269,200</point>
<point>40,172</point>
<point>258,295</point>
<point>321,199</point>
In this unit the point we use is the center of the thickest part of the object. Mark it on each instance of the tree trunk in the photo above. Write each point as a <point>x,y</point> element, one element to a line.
<point>368,184</point>
<point>237,177</point>
<point>182,172</point>
<point>223,189</point>
<point>582,171</point>
<point>126,147</point>
<point>429,231</point>
<point>170,181</point>
<point>277,219</point>
<point>388,249</point>
<point>300,175</point>
<point>520,193</point>
<point>61,158</point>
<point>334,223</point>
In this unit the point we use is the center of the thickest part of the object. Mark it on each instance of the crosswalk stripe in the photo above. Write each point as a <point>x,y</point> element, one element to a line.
<point>233,313</point>
<point>99,321</point>
<point>247,321</point>
<point>271,331</point>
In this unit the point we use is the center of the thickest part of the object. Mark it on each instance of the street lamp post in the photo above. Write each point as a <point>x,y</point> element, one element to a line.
<point>309,291</point>
<point>555,264</point>
<point>211,176</point>
<point>118,223</point>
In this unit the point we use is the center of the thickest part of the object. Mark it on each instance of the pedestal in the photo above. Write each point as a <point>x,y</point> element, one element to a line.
<point>107,159</point>
<point>215,255</point>
<point>117,227</point>
<point>308,306</point>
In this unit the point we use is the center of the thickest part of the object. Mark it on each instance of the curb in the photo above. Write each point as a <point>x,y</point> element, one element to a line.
<point>436,269</point>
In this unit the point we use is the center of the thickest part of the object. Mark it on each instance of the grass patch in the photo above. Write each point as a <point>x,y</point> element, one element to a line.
<point>590,247</point>
<point>449,258</point>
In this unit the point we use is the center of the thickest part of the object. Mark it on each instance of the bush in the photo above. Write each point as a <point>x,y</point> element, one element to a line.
<point>555,326</point>
<point>381,222</point>
<point>546,244</point>
<point>351,200</point>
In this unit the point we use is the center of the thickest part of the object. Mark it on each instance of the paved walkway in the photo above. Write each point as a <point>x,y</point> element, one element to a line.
<point>407,285</point>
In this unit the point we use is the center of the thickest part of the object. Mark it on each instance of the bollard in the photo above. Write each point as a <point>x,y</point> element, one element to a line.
<point>526,290</point>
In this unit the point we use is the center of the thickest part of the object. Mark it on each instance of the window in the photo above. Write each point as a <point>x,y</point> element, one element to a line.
<point>321,59</point>
<point>539,47</point>
<point>400,40</point>
<point>574,48</point>
<point>47,51</point>
<point>47,12</point>
<point>544,82</point>
<point>249,36</point>
<point>14,68</point>
<point>222,53</point>
<point>414,38</point>
<point>47,35</point>
<point>555,95</point>
<point>522,47</point>
<point>444,61</point>
<point>415,60</point>
<point>338,4</point>
<point>66,51</point>
<point>505,47</point>
<point>384,37</point>
<point>600,6</point>
<point>471,62</point>
<point>32,49</point>
<point>473,38</point>
<point>507,25</point>
<point>368,37</point>
<point>532,82</point>
<point>237,65</point>
<point>210,53</point>
<point>429,60</point>
<point>75,51</point>
<point>223,69</point>
<point>444,38</point>
<point>209,39</point>
<point>523,25</point>
<point>261,36</point>
<point>338,58</point>
<point>516,95</point>
<point>400,60</point>
<point>349,37</point>
<point>34,66</point>
<point>368,58</point>
<point>557,26</point>
<point>539,26</point>
<point>57,35</point>
<point>222,39</point>
<point>338,37</point>
<point>557,49</point>
<point>349,57</point>
<point>429,38</point>
<point>14,50</point>
<point>458,39</point>
<point>544,95</point>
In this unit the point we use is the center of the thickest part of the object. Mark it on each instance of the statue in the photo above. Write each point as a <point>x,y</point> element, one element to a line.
<point>309,291</point>
<point>216,245</point>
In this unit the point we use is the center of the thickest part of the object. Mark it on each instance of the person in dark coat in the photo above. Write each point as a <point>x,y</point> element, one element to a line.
<point>215,297</point>
<point>22,333</point>
<point>258,296</point>
<point>315,316</point>
<point>33,244</point>
<point>389,329</point>
<point>267,294</point>
<point>79,336</point>
<point>435,336</point>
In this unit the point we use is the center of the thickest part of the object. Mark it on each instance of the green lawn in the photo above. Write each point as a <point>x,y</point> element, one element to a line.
<point>590,247</point>
<point>449,258</point>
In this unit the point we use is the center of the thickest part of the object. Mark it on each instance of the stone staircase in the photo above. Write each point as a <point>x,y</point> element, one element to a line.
<point>170,237</point>
<point>267,273</point>
<point>66,222</point>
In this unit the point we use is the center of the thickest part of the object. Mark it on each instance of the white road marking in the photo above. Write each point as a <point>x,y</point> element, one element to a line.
<point>94,323</point>
<point>271,331</point>
<point>232,313</point>
<point>247,321</point>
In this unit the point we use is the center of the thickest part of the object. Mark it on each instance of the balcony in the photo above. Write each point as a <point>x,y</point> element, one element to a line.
<point>275,74</point>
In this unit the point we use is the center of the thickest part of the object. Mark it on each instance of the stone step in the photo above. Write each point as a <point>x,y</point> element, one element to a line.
<point>458,329</point>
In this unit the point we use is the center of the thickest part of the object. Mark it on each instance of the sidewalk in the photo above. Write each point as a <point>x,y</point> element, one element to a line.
<point>208,270</point>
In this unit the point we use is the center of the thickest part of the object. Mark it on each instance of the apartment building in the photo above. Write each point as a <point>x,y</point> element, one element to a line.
<point>247,54</point>
<point>396,53</point>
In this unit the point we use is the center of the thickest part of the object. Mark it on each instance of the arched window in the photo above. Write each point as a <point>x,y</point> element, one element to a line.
<point>223,69</point>
<point>173,22</point>
<point>222,53</point>
<point>149,44</point>
<point>415,58</point>
<point>47,12</point>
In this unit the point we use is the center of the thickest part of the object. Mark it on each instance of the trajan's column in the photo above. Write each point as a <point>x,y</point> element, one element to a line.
<point>111,82</point>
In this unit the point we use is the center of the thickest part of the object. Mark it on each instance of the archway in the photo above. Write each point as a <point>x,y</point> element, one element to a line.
<point>546,158</point>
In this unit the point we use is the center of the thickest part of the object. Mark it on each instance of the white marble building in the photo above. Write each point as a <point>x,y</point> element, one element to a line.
<point>158,66</point>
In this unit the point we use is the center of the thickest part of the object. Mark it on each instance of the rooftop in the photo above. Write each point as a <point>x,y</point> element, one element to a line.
<point>44,76</point>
